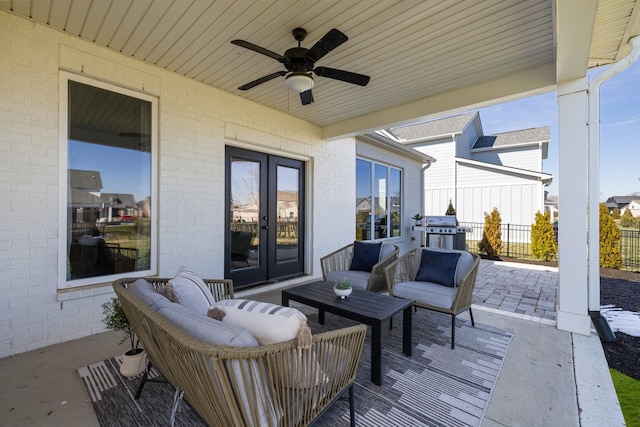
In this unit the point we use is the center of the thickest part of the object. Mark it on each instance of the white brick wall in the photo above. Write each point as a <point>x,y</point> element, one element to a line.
<point>195,124</point>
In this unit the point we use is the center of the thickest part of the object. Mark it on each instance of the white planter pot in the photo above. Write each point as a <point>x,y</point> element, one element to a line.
<point>133,365</point>
<point>342,293</point>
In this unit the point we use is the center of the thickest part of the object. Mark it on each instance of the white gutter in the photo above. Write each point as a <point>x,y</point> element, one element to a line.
<point>594,170</point>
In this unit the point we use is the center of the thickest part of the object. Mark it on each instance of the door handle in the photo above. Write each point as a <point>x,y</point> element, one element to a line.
<point>265,227</point>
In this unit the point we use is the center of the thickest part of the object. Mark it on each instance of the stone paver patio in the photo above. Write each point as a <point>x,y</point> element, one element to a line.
<point>525,289</point>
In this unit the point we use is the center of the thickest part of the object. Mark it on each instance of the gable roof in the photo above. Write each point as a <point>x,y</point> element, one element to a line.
<point>620,201</point>
<point>433,128</point>
<point>540,134</point>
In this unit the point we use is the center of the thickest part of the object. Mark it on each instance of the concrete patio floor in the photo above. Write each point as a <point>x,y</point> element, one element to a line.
<point>549,377</point>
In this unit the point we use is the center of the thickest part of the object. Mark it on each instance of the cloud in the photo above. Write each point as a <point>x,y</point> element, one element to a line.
<point>620,123</point>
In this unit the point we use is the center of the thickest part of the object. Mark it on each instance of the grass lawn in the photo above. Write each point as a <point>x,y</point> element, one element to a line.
<point>628,391</point>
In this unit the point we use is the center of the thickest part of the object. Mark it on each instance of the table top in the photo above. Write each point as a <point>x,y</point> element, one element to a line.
<point>363,304</point>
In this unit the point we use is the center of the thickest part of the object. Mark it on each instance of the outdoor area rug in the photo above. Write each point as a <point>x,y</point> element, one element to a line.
<point>436,386</point>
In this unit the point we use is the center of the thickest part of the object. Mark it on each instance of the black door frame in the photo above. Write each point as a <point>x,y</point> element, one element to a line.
<point>269,269</point>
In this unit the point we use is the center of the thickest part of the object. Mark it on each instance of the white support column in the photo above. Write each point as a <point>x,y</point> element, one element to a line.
<point>573,304</point>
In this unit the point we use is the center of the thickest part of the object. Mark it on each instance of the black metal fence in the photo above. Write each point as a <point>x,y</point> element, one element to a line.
<point>516,242</point>
<point>630,249</point>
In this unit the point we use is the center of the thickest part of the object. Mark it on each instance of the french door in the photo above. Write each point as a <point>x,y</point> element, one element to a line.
<point>264,239</point>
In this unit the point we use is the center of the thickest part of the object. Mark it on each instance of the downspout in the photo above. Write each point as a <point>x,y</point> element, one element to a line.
<point>594,180</point>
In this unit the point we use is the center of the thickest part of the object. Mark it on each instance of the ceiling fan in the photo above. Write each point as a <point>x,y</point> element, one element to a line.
<point>300,64</point>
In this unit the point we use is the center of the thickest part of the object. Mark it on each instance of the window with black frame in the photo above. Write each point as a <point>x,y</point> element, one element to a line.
<point>378,200</point>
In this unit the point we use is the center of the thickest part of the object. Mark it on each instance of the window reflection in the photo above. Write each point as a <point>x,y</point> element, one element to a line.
<point>288,217</point>
<point>378,201</point>
<point>245,211</point>
<point>108,183</point>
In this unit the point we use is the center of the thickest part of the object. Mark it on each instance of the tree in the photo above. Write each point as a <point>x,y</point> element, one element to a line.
<point>450,209</point>
<point>616,213</point>
<point>491,242</point>
<point>609,240</point>
<point>627,219</point>
<point>543,241</point>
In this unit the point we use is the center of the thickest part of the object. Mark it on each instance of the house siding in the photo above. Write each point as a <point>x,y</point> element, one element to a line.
<point>441,172</point>
<point>521,157</point>
<point>480,190</point>
<point>436,200</point>
<point>466,139</point>
<point>195,124</point>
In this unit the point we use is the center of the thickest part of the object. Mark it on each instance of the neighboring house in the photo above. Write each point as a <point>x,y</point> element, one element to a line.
<point>623,203</point>
<point>477,172</point>
<point>633,207</point>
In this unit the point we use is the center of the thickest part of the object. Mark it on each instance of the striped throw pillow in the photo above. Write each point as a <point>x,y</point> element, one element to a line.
<point>268,323</point>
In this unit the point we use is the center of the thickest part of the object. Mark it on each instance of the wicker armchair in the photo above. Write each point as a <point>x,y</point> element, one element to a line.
<point>401,279</point>
<point>273,385</point>
<point>335,266</point>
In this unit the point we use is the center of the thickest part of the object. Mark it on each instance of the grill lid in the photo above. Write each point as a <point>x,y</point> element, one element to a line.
<point>441,221</point>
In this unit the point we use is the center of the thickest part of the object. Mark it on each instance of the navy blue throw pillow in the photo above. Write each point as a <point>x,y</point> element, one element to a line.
<point>438,267</point>
<point>365,256</point>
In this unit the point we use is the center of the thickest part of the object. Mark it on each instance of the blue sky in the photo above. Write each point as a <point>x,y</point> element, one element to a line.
<point>122,171</point>
<point>619,130</point>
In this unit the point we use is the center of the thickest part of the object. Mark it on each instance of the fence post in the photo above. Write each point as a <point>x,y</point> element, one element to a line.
<point>507,239</point>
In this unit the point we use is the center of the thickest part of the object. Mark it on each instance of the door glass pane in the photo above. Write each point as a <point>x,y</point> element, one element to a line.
<point>363,200</point>
<point>245,213</point>
<point>380,201</point>
<point>288,190</point>
<point>108,183</point>
<point>394,201</point>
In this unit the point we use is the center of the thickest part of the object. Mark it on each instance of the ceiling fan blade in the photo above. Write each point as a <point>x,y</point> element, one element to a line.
<point>260,49</point>
<point>262,80</point>
<point>345,76</point>
<point>306,97</point>
<point>326,44</point>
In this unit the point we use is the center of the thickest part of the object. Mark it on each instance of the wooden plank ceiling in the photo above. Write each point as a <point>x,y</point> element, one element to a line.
<point>412,49</point>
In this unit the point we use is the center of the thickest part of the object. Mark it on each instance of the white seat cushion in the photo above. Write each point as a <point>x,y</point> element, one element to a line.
<point>426,292</point>
<point>358,279</point>
<point>207,329</point>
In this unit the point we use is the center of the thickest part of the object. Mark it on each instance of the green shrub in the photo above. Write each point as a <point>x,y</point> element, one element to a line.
<point>628,220</point>
<point>610,256</point>
<point>543,241</point>
<point>450,209</point>
<point>491,242</point>
<point>616,213</point>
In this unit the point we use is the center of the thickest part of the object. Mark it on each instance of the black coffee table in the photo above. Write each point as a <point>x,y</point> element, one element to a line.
<point>366,307</point>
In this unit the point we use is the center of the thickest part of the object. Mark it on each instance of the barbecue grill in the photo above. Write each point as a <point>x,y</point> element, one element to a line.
<point>442,232</point>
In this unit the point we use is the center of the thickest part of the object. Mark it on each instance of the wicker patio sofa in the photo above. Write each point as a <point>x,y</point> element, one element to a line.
<point>272,385</point>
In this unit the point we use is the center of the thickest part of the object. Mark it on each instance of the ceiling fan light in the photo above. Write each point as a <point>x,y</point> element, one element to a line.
<point>299,82</point>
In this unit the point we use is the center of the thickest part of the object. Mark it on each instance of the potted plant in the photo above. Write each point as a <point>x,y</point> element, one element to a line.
<point>134,359</point>
<point>418,219</point>
<point>343,288</point>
